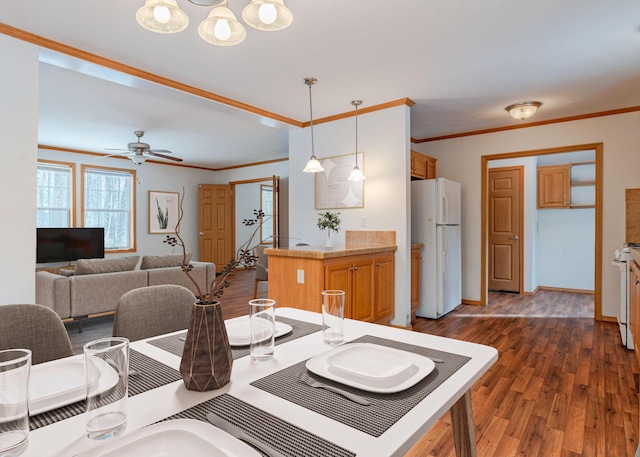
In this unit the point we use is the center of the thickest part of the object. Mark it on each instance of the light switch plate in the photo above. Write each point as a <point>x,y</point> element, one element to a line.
<point>300,275</point>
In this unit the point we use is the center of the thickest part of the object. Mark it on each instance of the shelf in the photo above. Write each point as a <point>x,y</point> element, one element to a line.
<point>582,183</point>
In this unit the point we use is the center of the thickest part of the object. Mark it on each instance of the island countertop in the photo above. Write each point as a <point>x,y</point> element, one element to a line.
<point>338,250</point>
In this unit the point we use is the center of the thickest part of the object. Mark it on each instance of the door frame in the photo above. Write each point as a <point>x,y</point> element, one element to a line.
<point>484,258</point>
<point>520,169</point>
<point>274,180</point>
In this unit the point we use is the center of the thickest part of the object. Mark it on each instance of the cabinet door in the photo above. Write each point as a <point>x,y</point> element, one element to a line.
<point>338,276</point>
<point>553,186</point>
<point>415,279</point>
<point>384,290</point>
<point>634,304</point>
<point>362,296</point>
<point>418,165</point>
<point>431,167</point>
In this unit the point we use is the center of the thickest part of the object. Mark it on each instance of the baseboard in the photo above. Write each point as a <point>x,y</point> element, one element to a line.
<point>563,289</point>
<point>608,319</point>
<point>471,302</point>
<point>529,294</point>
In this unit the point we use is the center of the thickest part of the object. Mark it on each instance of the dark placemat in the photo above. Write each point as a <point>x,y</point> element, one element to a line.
<point>174,345</point>
<point>152,374</point>
<point>278,434</point>
<point>384,410</point>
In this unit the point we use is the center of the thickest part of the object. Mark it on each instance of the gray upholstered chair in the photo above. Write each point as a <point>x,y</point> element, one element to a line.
<point>34,327</point>
<point>153,310</point>
<point>262,267</point>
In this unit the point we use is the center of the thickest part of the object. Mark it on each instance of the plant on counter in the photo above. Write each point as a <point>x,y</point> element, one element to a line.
<point>330,221</point>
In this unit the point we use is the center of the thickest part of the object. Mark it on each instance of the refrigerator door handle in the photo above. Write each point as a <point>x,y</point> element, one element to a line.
<point>446,245</point>
<point>445,208</point>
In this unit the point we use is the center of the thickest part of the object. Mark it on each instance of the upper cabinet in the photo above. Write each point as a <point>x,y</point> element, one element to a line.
<point>422,166</point>
<point>567,186</point>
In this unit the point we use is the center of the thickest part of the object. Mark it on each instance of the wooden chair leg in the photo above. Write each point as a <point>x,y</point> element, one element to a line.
<point>255,288</point>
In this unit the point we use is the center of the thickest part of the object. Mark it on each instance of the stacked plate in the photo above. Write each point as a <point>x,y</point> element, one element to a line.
<point>239,331</point>
<point>371,367</point>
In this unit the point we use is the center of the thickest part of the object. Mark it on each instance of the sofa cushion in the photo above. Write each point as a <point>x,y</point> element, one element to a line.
<point>94,266</point>
<point>163,261</point>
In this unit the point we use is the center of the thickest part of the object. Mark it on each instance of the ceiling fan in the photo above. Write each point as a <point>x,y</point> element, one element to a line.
<point>139,152</point>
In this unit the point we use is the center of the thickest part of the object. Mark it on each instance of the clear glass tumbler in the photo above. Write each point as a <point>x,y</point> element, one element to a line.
<point>333,317</point>
<point>262,322</point>
<point>15,367</point>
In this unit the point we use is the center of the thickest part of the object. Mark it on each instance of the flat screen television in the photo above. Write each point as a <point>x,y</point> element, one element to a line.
<point>68,244</point>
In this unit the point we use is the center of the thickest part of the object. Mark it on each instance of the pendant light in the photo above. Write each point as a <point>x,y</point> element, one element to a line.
<point>269,15</point>
<point>523,110</point>
<point>313,165</point>
<point>162,16</point>
<point>221,27</point>
<point>356,174</point>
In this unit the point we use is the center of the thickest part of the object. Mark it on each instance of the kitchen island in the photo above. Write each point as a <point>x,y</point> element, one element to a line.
<point>364,268</point>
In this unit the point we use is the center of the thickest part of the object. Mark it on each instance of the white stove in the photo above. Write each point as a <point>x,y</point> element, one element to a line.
<point>621,261</point>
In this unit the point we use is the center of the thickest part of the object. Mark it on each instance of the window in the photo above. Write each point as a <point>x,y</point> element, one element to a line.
<point>55,194</point>
<point>108,201</point>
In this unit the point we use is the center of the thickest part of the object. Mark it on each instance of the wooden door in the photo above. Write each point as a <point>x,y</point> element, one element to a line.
<point>215,224</point>
<point>505,202</point>
<point>337,276</point>
<point>385,287</point>
<point>554,186</point>
<point>362,295</point>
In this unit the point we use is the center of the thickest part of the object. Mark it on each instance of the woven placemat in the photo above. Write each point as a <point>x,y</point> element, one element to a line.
<point>384,410</point>
<point>278,434</point>
<point>174,345</point>
<point>152,374</point>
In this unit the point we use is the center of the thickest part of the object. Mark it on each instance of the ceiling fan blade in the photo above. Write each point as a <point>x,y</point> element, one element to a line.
<point>163,151</point>
<point>176,159</point>
<point>115,149</point>
<point>112,155</point>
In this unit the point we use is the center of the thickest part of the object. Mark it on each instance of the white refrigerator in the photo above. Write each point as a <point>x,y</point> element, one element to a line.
<point>435,222</point>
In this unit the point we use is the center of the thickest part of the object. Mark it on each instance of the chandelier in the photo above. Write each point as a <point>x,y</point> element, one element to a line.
<point>356,173</point>
<point>313,165</point>
<point>221,26</point>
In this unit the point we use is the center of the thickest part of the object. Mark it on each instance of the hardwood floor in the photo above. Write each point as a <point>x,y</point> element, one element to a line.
<point>563,384</point>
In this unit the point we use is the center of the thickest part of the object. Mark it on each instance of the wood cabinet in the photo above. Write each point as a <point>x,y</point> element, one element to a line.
<point>634,304</point>
<point>368,280</point>
<point>415,280</point>
<point>422,166</point>
<point>569,185</point>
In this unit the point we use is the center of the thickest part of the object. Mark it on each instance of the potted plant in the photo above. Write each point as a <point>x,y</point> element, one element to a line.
<point>331,223</point>
<point>206,359</point>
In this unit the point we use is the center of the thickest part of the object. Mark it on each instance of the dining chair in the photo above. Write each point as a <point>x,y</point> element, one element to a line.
<point>262,267</point>
<point>153,310</point>
<point>34,327</point>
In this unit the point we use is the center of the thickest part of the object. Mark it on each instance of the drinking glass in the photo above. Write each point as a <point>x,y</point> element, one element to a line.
<point>333,317</point>
<point>107,380</point>
<point>262,323</point>
<point>15,366</point>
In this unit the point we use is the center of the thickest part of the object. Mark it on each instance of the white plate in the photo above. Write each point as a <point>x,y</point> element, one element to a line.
<point>404,379</point>
<point>370,361</point>
<point>238,331</point>
<point>62,382</point>
<point>180,437</point>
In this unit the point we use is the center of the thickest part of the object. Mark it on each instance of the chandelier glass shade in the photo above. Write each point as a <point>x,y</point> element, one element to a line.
<point>221,27</point>
<point>356,174</point>
<point>523,110</point>
<point>313,165</point>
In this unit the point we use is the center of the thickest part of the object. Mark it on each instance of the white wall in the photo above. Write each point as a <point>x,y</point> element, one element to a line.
<point>459,159</point>
<point>150,176</point>
<point>19,139</point>
<point>384,138</point>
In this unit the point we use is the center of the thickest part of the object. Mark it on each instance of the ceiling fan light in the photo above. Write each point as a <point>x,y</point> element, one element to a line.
<point>162,16</point>
<point>523,110</point>
<point>139,159</point>
<point>267,15</point>
<point>221,27</point>
<point>313,166</point>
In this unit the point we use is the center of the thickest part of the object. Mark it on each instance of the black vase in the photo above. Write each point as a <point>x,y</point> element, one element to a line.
<point>206,360</point>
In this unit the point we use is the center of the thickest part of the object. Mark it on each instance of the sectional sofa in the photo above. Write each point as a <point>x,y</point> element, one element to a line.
<point>96,285</point>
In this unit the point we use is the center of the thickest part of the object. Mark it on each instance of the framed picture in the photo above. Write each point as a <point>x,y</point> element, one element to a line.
<point>333,189</point>
<point>163,211</point>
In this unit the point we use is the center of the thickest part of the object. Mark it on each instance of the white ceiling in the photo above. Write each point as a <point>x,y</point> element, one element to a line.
<point>461,62</point>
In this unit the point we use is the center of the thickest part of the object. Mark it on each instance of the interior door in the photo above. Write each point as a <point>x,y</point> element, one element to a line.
<point>215,224</point>
<point>505,197</point>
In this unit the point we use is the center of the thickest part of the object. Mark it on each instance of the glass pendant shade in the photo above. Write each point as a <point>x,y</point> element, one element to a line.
<point>222,28</point>
<point>356,174</point>
<point>268,15</point>
<point>162,16</point>
<point>139,159</point>
<point>523,110</point>
<point>313,165</point>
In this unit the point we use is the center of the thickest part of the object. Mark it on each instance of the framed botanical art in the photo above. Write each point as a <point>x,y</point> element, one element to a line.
<point>163,211</point>
<point>333,189</point>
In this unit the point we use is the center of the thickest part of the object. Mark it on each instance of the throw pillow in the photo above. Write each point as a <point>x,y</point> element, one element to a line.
<point>163,261</point>
<point>95,266</point>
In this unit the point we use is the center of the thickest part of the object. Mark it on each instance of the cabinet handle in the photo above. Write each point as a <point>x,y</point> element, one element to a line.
<point>378,264</point>
<point>356,268</point>
<point>351,269</point>
<point>637,282</point>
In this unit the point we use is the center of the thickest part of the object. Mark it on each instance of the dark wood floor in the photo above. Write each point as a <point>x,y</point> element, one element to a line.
<point>563,385</point>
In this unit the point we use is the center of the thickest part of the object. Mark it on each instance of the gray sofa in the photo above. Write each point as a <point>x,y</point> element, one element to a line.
<point>96,285</point>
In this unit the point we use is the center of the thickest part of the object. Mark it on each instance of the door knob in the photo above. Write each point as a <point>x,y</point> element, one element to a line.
<point>514,237</point>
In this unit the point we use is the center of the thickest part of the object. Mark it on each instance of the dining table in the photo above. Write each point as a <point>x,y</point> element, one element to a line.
<point>269,401</point>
